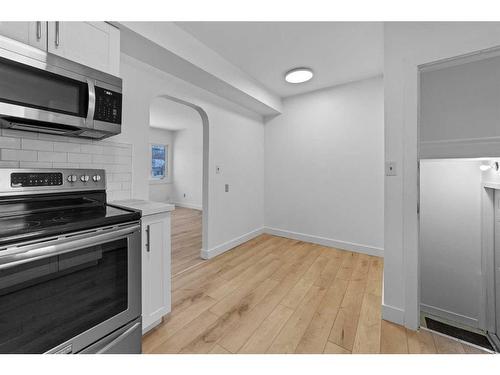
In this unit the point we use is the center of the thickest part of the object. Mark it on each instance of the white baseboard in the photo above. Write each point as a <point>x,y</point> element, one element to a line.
<point>189,205</point>
<point>330,242</point>
<point>213,252</point>
<point>393,314</point>
<point>449,315</point>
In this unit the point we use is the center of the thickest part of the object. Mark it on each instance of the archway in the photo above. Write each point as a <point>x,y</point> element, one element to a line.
<point>179,117</point>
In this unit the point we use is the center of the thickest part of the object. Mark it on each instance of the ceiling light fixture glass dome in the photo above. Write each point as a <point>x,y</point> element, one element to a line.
<point>299,75</point>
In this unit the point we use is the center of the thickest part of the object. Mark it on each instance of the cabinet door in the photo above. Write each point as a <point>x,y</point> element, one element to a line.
<point>95,44</point>
<point>156,269</point>
<point>33,33</point>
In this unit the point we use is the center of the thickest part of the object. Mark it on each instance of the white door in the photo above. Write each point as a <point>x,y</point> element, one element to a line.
<point>33,33</point>
<point>95,44</point>
<point>156,268</point>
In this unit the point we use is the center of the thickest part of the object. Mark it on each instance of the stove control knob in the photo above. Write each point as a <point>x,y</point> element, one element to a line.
<point>96,178</point>
<point>71,178</point>
<point>84,178</point>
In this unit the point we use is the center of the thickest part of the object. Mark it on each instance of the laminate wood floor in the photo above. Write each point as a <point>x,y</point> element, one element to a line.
<point>276,295</point>
<point>186,239</point>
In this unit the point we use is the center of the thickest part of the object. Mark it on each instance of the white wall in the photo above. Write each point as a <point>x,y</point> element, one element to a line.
<point>406,46</point>
<point>324,167</point>
<point>162,190</point>
<point>188,166</point>
<point>450,239</point>
<point>236,142</point>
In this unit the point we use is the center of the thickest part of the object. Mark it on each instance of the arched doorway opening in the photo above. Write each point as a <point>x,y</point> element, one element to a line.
<point>179,136</point>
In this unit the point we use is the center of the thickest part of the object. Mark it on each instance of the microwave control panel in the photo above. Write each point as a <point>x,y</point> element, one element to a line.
<point>108,105</point>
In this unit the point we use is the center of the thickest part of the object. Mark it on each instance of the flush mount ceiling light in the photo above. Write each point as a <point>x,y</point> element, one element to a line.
<point>298,75</point>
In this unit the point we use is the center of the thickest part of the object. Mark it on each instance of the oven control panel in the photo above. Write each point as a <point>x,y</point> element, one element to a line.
<point>22,181</point>
<point>36,179</point>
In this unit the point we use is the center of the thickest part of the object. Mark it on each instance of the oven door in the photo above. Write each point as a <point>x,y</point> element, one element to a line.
<point>63,294</point>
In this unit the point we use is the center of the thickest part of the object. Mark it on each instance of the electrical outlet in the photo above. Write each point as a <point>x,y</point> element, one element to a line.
<point>390,168</point>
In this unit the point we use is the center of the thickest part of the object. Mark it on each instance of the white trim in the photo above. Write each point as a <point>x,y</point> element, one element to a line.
<point>213,252</point>
<point>393,314</point>
<point>451,316</point>
<point>189,205</point>
<point>460,148</point>
<point>330,242</point>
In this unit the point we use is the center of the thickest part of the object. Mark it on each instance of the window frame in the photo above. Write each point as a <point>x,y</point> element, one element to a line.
<point>165,176</point>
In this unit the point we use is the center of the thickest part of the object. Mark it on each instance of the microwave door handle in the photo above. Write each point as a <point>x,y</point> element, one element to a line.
<point>91,104</point>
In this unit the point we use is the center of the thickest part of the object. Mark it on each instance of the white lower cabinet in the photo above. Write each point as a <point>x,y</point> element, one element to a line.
<point>156,280</point>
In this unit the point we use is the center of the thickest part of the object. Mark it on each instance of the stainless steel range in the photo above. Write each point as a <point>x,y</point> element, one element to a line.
<point>70,265</point>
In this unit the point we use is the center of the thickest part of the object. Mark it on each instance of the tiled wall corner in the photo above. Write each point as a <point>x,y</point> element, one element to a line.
<point>19,149</point>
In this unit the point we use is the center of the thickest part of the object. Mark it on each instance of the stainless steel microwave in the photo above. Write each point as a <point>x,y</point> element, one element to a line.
<point>42,92</point>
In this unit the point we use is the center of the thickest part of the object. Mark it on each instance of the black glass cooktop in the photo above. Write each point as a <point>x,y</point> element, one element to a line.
<point>26,218</point>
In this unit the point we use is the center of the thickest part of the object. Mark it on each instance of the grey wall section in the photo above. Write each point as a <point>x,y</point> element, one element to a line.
<point>460,108</point>
<point>450,239</point>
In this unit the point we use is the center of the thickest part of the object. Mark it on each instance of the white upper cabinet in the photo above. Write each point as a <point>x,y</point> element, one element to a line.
<point>33,33</point>
<point>95,44</point>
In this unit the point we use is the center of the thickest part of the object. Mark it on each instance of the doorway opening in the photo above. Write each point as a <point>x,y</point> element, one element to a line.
<point>457,179</point>
<point>178,137</point>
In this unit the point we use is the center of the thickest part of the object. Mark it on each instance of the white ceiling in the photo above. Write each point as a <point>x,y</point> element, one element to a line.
<point>170,115</point>
<point>338,52</point>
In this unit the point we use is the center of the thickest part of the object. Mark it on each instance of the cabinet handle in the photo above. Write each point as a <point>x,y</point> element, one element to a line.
<point>57,34</point>
<point>148,247</point>
<point>38,30</point>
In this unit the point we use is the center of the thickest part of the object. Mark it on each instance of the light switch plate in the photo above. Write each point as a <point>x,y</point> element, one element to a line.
<point>390,168</point>
<point>218,169</point>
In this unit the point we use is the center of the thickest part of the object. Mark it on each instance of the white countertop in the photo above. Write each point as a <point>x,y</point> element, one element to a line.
<point>145,207</point>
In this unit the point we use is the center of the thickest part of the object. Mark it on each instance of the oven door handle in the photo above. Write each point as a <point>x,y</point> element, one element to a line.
<point>24,254</point>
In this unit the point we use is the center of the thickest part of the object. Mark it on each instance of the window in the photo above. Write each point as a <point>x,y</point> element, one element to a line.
<point>158,161</point>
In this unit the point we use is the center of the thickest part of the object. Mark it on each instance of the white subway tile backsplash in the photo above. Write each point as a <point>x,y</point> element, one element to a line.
<point>79,158</point>
<point>65,165</point>
<point>52,156</point>
<point>126,185</point>
<point>36,144</point>
<point>9,142</point>
<point>19,155</point>
<point>91,149</point>
<point>60,138</point>
<point>19,149</point>
<point>35,164</point>
<point>120,177</point>
<point>19,134</point>
<point>92,166</point>
<point>116,150</point>
<point>117,168</point>
<point>66,147</point>
<point>119,195</point>
<point>113,186</point>
<point>9,164</point>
